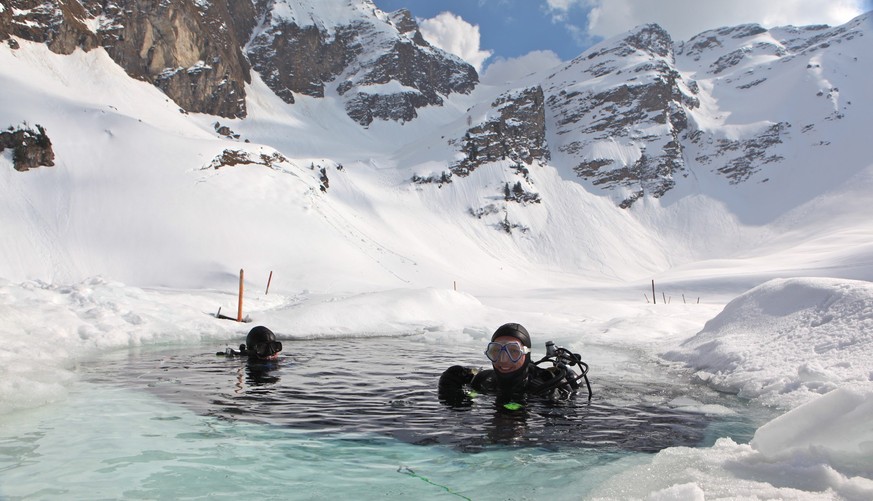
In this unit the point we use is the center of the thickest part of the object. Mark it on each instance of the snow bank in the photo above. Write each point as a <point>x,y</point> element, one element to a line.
<point>786,341</point>
<point>46,328</point>
<point>838,422</point>
<point>799,343</point>
<point>821,450</point>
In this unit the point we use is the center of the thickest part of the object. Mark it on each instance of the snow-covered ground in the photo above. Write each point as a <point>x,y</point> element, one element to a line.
<point>132,238</point>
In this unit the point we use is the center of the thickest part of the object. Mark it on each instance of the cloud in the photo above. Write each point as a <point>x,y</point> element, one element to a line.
<point>685,18</point>
<point>562,5</point>
<point>509,70</point>
<point>456,36</point>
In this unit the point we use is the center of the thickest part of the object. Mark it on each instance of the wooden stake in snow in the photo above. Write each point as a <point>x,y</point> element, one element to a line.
<point>239,309</point>
<point>654,301</point>
<point>269,279</point>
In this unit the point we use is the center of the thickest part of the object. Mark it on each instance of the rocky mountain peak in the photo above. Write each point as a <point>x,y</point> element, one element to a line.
<point>379,63</point>
<point>199,53</point>
<point>404,22</point>
<point>619,110</point>
<point>628,117</point>
<point>649,39</point>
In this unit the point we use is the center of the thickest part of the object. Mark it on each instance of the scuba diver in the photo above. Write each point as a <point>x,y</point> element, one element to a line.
<point>262,351</point>
<point>260,344</point>
<point>514,376</point>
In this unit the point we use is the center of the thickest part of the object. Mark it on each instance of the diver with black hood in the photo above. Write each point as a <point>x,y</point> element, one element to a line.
<point>260,345</point>
<point>513,375</point>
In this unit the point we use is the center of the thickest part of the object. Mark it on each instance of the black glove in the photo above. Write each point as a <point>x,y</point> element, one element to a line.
<point>455,377</point>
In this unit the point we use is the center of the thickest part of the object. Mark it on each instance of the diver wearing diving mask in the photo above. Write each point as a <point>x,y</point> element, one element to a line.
<point>513,375</point>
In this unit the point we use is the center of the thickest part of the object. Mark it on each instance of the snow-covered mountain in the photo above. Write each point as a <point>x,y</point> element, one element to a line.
<point>329,142</point>
<point>201,53</point>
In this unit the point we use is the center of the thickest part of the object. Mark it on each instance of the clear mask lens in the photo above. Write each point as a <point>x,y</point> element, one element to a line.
<point>513,350</point>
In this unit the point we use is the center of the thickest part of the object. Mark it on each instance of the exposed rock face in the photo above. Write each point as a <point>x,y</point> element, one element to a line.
<point>5,23</point>
<point>58,24</point>
<point>737,160</point>
<point>514,130</point>
<point>711,40</point>
<point>381,65</point>
<point>193,50</point>
<point>190,50</point>
<point>642,114</point>
<point>272,160</point>
<point>298,59</point>
<point>232,158</point>
<point>30,148</point>
<point>423,73</point>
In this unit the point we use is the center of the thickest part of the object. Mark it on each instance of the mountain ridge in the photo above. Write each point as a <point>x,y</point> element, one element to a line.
<point>352,185</point>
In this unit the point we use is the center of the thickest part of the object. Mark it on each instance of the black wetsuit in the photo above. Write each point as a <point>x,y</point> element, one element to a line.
<point>529,381</point>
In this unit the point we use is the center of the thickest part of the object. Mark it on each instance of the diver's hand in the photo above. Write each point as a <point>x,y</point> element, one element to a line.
<point>456,376</point>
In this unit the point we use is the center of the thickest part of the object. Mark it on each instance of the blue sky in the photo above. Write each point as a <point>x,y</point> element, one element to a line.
<point>499,32</point>
<point>510,28</point>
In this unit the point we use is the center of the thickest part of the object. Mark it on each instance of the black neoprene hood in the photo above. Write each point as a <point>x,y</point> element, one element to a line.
<point>513,330</point>
<point>259,334</point>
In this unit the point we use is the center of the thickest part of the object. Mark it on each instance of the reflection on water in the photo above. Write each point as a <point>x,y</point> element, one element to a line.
<point>387,386</point>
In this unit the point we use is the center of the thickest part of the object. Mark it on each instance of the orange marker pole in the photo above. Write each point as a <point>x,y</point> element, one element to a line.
<point>239,309</point>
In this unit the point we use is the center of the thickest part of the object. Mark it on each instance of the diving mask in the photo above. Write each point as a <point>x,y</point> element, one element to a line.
<point>266,349</point>
<point>514,351</point>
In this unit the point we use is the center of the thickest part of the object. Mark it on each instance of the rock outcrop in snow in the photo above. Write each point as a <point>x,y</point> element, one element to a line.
<point>513,129</point>
<point>30,148</point>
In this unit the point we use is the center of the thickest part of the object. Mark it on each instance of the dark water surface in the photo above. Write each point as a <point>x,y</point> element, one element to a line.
<point>387,387</point>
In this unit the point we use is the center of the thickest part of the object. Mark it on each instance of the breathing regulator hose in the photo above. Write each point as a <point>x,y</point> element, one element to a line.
<point>563,360</point>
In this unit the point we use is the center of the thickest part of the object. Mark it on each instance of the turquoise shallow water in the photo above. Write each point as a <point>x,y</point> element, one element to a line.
<point>344,420</point>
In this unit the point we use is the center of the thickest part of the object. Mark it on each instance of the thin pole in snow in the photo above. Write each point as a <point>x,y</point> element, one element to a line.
<point>269,279</point>
<point>654,300</point>
<point>239,309</point>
